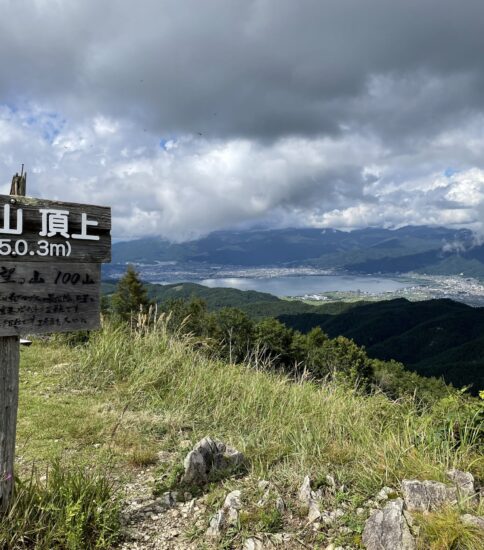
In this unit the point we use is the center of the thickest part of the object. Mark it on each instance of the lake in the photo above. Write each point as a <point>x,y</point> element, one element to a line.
<point>308,284</point>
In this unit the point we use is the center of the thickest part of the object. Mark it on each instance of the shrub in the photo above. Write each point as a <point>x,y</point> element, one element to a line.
<point>69,510</point>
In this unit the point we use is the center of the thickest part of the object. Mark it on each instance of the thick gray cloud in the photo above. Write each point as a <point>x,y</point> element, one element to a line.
<point>336,112</point>
<point>241,67</point>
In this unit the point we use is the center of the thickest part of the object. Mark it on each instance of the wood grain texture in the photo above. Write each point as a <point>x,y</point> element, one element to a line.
<point>9,384</point>
<point>9,388</point>
<point>61,248</point>
<point>43,298</point>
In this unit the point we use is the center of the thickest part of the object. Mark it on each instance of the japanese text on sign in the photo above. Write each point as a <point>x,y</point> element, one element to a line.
<point>39,230</point>
<point>54,222</point>
<point>37,298</point>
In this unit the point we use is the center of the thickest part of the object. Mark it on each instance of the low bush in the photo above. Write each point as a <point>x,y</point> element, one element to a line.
<point>68,509</point>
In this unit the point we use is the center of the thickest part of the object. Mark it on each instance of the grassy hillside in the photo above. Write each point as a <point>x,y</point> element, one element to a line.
<point>125,396</point>
<point>441,337</point>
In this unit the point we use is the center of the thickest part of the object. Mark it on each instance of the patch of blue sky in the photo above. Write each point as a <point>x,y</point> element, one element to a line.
<point>13,109</point>
<point>51,130</point>
<point>449,172</point>
<point>164,141</point>
<point>49,124</point>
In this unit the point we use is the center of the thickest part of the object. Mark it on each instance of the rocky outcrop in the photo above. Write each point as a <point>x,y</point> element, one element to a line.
<point>385,494</point>
<point>388,529</point>
<point>210,459</point>
<point>268,541</point>
<point>425,496</point>
<point>257,544</point>
<point>305,492</point>
<point>311,499</point>
<point>270,492</point>
<point>167,521</point>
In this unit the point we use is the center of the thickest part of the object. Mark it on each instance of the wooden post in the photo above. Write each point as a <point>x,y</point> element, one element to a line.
<point>9,382</point>
<point>9,387</point>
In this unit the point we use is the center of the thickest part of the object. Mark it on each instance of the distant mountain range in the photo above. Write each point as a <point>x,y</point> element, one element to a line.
<point>423,249</point>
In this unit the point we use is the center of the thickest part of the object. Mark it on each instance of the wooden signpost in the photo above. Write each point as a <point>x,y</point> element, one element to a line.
<point>50,281</point>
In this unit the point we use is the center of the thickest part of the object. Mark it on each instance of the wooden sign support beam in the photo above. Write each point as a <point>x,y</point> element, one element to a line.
<point>9,384</point>
<point>9,389</point>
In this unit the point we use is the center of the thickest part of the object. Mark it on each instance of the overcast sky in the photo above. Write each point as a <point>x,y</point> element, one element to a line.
<point>188,116</point>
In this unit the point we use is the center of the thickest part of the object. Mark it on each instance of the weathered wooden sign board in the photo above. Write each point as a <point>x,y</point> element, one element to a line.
<point>50,281</point>
<point>50,255</point>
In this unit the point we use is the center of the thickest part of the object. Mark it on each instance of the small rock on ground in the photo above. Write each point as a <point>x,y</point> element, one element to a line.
<point>476,521</point>
<point>387,529</point>
<point>210,457</point>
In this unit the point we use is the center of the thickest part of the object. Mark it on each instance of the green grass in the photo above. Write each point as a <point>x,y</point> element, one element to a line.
<point>444,530</point>
<point>67,509</point>
<point>263,518</point>
<point>284,427</point>
<point>59,419</point>
<point>117,400</point>
<point>54,420</point>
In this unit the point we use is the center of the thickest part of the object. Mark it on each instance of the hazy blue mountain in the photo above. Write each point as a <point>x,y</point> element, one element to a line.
<point>436,250</point>
<point>438,262</point>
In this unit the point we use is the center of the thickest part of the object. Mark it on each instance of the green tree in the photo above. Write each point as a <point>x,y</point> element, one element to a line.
<point>337,357</point>
<point>274,341</point>
<point>234,330</point>
<point>306,348</point>
<point>189,317</point>
<point>130,295</point>
<point>343,358</point>
<point>393,379</point>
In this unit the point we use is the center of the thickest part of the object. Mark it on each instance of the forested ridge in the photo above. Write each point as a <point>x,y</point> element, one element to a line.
<point>439,338</point>
<point>433,338</point>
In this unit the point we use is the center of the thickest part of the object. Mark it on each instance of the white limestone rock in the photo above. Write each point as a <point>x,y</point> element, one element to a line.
<point>425,496</point>
<point>387,529</point>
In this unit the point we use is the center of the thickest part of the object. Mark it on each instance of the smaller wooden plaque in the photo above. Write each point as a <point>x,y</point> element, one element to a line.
<point>41,298</point>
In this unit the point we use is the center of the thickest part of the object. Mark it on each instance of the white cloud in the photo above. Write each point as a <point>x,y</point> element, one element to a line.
<point>189,186</point>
